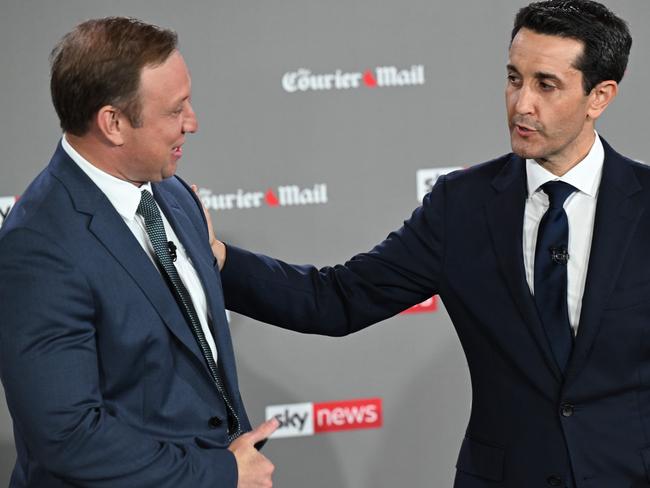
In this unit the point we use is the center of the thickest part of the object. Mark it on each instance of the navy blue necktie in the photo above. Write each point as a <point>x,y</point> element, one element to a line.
<point>156,232</point>
<point>551,258</point>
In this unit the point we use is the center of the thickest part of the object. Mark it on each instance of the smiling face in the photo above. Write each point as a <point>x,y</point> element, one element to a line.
<point>150,152</point>
<point>550,117</point>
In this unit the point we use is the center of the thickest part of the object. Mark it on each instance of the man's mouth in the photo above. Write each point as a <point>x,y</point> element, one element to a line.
<point>177,151</point>
<point>524,130</point>
<point>525,126</point>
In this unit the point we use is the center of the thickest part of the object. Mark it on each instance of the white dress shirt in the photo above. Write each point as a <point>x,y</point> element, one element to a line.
<point>580,208</point>
<point>125,197</point>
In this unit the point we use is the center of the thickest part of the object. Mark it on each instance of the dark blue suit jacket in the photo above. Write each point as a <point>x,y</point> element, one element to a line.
<point>529,426</point>
<point>103,377</point>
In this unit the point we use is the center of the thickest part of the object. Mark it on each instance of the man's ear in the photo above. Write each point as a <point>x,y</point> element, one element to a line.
<point>600,97</point>
<point>111,122</point>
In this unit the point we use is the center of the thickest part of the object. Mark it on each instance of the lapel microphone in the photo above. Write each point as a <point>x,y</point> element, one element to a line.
<point>171,247</point>
<point>559,255</point>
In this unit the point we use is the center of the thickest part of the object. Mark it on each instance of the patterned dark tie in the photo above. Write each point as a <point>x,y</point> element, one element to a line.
<point>156,231</point>
<point>551,257</point>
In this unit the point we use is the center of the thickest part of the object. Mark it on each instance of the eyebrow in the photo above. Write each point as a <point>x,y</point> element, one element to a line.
<point>540,75</point>
<point>178,100</point>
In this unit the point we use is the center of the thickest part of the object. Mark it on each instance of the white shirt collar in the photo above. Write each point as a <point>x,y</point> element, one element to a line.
<point>123,195</point>
<point>585,176</point>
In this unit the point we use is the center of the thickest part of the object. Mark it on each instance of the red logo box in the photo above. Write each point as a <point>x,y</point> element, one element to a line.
<point>428,306</point>
<point>348,415</point>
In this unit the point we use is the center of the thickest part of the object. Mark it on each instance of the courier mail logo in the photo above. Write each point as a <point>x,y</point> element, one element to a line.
<point>304,79</point>
<point>306,419</point>
<point>282,196</point>
<point>6,204</point>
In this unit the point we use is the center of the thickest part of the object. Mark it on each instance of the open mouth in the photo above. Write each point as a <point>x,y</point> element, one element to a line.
<point>177,151</point>
<point>524,130</point>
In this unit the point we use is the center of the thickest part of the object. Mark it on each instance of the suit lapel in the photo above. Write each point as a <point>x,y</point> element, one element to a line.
<point>193,240</point>
<point>617,215</point>
<point>109,228</point>
<point>505,216</point>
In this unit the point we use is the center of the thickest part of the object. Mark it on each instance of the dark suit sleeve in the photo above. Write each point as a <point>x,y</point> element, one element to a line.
<point>403,270</point>
<point>49,367</point>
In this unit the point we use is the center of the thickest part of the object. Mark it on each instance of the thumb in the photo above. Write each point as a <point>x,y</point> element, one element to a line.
<point>264,430</point>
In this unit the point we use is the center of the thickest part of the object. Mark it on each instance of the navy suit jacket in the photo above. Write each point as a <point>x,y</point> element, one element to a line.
<point>530,426</point>
<point>103,377</point>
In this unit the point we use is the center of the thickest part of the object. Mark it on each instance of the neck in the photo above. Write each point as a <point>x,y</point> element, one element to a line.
<point>100,154</point>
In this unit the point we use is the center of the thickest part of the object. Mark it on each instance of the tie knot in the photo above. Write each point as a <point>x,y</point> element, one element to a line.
<point>147,207</point>
<point>558,192</point>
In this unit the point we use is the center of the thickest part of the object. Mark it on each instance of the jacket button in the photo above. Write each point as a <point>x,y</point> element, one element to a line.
<point>554,481</point>
<point>566,410</point>
<point>215,422</point>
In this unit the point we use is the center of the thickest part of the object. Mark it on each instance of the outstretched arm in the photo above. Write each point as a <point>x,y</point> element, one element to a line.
<point>404,269</point>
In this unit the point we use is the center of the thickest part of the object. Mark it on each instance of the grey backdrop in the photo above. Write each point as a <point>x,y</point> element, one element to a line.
<point>365,145</point>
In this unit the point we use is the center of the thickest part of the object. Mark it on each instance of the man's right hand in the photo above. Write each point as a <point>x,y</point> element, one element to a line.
<point>254,469</point>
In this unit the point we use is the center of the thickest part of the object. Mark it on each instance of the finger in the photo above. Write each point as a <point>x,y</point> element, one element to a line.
<point>195,189</point>
<point>264,430</point>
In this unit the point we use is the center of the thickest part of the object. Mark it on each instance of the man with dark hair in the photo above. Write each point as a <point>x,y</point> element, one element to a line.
<point>541,258</point>
<point>115,352</point>
<point>605,38</point>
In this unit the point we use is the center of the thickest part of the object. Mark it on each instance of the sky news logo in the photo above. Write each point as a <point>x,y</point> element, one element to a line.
<point>6,204</point>
<point>304,79</point>
<point>426,178</point>
<point>430,305</point>
<point>282,196</point>
<point>307,419</point>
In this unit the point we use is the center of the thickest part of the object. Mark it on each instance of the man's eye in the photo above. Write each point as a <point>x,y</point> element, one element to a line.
<point>513,80</point>
<point>546,86</point>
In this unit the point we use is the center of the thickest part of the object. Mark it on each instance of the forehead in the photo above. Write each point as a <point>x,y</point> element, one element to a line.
<point>168,80</point>
<point>541,52</point>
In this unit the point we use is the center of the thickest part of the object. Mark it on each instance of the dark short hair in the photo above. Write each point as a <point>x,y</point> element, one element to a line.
<point>99,63</point>
<point>605,37</point>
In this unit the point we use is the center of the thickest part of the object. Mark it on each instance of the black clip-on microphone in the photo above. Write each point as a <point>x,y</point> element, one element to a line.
<point>559,255</point>
<point>171,247</point>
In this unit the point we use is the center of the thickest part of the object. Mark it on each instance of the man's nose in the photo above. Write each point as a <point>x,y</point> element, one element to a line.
<point>525,102</point>
<point>190,122</point>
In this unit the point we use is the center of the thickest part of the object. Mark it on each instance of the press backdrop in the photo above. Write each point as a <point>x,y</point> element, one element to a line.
<point>315,175</point>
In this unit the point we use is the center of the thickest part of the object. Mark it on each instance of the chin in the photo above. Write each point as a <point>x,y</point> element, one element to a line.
<point>168,172</point>
<point>523,151</point>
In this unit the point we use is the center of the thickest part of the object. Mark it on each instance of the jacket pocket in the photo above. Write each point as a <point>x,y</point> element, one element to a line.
<point>479,459</point>
<point>629,297</point>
